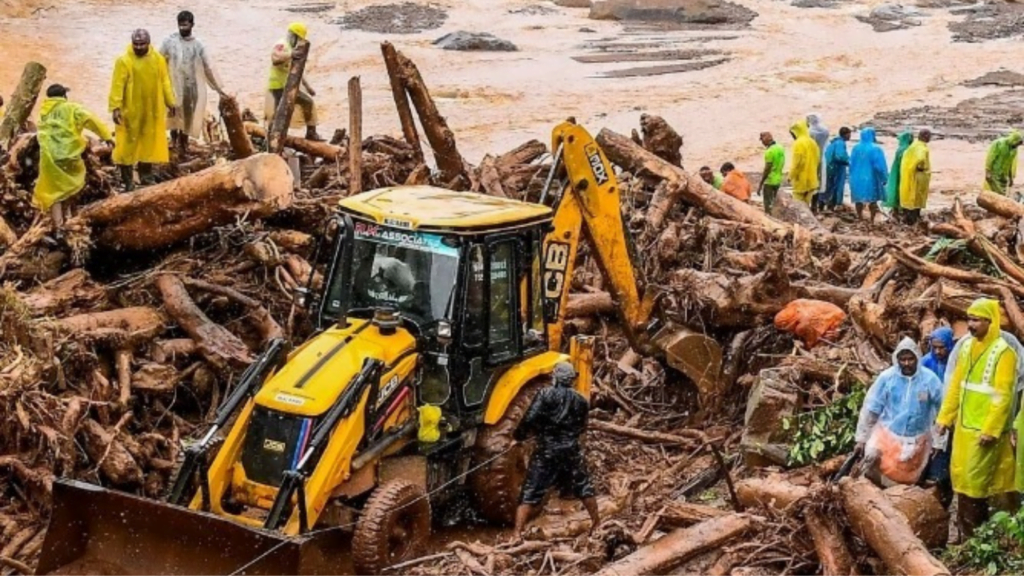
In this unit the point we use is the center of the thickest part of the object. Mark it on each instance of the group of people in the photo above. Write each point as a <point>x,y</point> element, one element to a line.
<point>151,91</point>
<point>967,389</point>
<point>732,181</point>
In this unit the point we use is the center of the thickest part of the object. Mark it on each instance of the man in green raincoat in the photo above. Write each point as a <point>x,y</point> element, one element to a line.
<point>61,168</point>
<point>1001,163</point>
<point>892,186</point>
<point>979,406</point>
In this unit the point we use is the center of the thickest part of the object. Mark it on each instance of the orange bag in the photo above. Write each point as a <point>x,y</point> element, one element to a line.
<point>810,320</point>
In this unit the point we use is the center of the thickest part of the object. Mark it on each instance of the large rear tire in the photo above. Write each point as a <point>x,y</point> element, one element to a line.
<point>394,527</point>
<point>496,485</point>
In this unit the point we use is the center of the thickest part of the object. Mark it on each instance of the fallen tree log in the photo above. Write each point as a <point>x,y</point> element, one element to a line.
<point>1000,205</point>
<point>685,514</point>
<point>412,136</point>
<point>923,511</point>
<point>833,553</point>
<point>525,153</point>
<point>138,324</point>
<point>592,304</point>
<point>922,266</point>
<point>257,314</point>
<point>110,455</point>
<point>644,435</point>
<point>625,153</point>
<point>680,545</point>
<point>214,342</point>
<point>175,211</point>
<point>74,288</point>
<point>775,492</point>
<point>241,145</point>
<point>308,147</point>
<point>875,519</point>
<point>19,108</point>
<point>551,526</point>
<point>490,178</point>
<point>283,114</point>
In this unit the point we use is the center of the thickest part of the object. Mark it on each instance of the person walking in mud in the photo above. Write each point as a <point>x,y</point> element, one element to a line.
<point>280,61</point>
<point>1001,163</point>
<point>916,177</point>
<point>141,98</point>
<point>771,175</point>
<point>557,417</point>
<point>190,70</point>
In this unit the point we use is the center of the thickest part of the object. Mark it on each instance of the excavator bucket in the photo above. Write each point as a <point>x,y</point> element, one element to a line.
<point>94,530</point>
<point>694,354</point>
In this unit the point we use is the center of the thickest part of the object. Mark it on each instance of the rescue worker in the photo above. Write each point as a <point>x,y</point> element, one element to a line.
<point>557,417</point>
<point>735,183</point>
<point>771,175</point>
<point>940,344</point>
<point>190,70</point>
<point>916,176</point>
<point>280,64</point>
<point>894,431</point>
<point>837,163</point>
<point>710,178</point>
<point>868,174</point>
<point>61,144</point>
<point>806,158</point>
<point>892,187</point>
<point>1001,163</point>
<point>978,406</point>
<point>819,133</point>
<point>141,98</point>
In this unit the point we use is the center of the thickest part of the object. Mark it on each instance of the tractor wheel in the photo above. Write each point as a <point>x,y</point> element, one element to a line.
<point>496,485</point>
<point>393,527</point>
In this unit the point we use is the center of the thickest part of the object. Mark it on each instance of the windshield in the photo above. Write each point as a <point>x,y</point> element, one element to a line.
<point>413,272</point>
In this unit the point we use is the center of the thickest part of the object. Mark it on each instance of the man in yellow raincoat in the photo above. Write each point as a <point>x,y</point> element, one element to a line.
<point>979,405</point>
<point>806,160</point>
<point>280,64</point>
<point>141,97</point>
<point>915,176</point>
<point>61,168</point>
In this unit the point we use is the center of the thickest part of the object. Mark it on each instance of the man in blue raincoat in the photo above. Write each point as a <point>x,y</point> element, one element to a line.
<point>868,174</point>
<point>837,162</point>
<point>940,344</point>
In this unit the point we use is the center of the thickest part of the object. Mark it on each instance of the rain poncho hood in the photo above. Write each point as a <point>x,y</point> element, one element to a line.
<point>980,400</point>
<point>819,133</point>
<point>1001,162</point>
<point>892,187</point>
<point>896,419</point>
<point>190,71</point>
<point>868,171</point>
<point>915,176</point>
<point>141,89</point>
<point>61,168</point>
<point>943,334</point>
<point>806,159</point>
<point>837,162</point>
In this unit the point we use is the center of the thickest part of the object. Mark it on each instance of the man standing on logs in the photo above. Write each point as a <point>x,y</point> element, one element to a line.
<point>804,175</point>
<point>280,61</point>
<point>978,406</point>
<point>141,98</point>
<point>61,144</point>
<point>771,175</point>
<point>557,416</point>
<point>190,72</point>
<point>916,177</point>
<point>1001,163</point>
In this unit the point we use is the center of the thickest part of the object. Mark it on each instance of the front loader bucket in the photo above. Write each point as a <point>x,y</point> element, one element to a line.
<point>98,531</point>
<point>694,354</point>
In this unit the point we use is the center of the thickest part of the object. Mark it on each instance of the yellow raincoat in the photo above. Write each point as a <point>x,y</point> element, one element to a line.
<point>915,176</point>
<point>979,402</point>
<point>61,168</point>
<point>141,89</point>
<point>806,161</point>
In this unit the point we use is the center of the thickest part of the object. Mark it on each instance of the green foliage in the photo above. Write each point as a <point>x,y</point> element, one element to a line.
<point>997,547</point>
<point>825,432</point>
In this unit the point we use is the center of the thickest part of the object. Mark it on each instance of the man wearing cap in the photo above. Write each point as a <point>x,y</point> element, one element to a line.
<point>281,60</point>
<point>557,417</point>
<point>141,98</point>
<point>190,71</point>
<point>61,168</point>
<point>978,406</point>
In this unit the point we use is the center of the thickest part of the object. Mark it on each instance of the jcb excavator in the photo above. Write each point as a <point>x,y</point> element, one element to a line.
<point>433,300</point>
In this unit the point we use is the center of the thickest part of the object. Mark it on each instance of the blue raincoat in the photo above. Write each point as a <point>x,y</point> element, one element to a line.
<point>837,162</point>
<point>868,171</point>
<point>944,335</point>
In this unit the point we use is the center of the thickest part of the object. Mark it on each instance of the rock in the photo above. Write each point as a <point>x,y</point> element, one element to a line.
<point>773,399</point>
<point>894,12</point>
<point>672,11</point>
<point>573,3</point>
<point>475,42</point>
<point>586,30</point>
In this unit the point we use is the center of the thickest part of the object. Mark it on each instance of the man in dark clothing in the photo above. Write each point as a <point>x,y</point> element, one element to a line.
<point>557,417</point>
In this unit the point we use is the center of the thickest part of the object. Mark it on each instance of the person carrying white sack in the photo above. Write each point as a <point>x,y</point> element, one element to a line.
<point>895,428</point>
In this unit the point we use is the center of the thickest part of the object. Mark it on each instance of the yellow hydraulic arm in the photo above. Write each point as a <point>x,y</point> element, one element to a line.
<point>590,196</point>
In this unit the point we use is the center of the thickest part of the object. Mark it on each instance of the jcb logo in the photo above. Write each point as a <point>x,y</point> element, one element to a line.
<point>556,259</point>
<point>596,165</point>
<point>273,445</point>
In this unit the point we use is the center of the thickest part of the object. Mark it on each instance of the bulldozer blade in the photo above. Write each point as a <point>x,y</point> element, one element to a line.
<point>694,354</point>
<point>94,530</point>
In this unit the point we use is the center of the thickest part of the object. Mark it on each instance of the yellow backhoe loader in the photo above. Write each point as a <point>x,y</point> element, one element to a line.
<point>435,303</point>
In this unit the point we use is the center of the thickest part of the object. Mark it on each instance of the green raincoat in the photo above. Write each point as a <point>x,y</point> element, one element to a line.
<point>61,168</point>
<point>892,187</point>
<point>1001,162</point>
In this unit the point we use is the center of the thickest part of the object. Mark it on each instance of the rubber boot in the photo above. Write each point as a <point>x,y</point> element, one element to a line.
<point>128,177</point>
<point>311,134</point>
<point>181,141</point>
<point>146,174</point>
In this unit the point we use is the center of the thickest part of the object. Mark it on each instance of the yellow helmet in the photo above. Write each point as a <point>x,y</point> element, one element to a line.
<point>299,29</point>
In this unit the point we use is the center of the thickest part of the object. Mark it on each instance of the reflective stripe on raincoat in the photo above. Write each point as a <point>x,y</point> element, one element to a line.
<point>141,89</point>
<point>61,168</point>
<point>915,176</point>
<point>897,416</point>
<point>868,172</point>
<point>1001,162</point>
<point>892,187</point>
<point>806,157</point>
<point>979,402</point>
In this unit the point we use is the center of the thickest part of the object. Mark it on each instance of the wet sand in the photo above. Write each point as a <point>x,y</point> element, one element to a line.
<point>790,61</point>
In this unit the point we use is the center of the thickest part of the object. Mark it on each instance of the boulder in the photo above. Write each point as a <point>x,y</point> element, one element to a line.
<point>573,3</point>
<point>672,11</point>
<point>773,399</point>
<point>474,41</point>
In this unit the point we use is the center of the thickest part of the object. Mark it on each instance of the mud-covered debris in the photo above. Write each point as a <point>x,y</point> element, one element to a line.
<point>404,18</point>
<point>311,7</point>
<point>533,10</point>
<point>474,42</point>
<point>890,17</point>
<point>1001,77</point>
<point>988,22</point>
<point>973,120</point>
<point>574,3</point>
